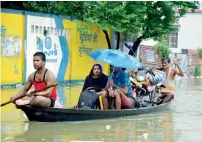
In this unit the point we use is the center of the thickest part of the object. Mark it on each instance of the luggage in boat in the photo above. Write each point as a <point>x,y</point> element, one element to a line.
<point>88,100</point>
<point>159,77</point>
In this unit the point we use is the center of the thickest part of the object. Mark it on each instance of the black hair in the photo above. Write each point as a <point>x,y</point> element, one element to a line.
<point>167,59</point>
<point>101,71</point>
<point>41,55</point>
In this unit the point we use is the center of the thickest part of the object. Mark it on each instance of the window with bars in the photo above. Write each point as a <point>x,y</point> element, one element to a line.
<point>50,30</point>
<point>173,39</point>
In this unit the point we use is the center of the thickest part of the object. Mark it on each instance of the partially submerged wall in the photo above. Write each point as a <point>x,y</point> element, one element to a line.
<point>66,49</point>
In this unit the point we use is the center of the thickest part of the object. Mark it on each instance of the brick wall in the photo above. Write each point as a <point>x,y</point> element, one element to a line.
<point>150,57</point>
<point>193,60</point>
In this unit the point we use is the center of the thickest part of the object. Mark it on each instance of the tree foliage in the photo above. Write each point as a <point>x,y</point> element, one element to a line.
<point>162,49</point>
<point>138,19</point>
<point>116,15</point>
<point>197,70</point>
<point>65,8</point>
<point>200,52</point>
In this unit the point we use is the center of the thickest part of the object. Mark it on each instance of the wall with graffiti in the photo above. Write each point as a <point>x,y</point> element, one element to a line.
<point>53,43</point>
<point>24,33</point>
<point>80,44</point>
<point>12,41</point>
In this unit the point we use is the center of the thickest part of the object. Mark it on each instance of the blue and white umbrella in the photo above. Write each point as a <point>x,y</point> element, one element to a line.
<point>116,58</point>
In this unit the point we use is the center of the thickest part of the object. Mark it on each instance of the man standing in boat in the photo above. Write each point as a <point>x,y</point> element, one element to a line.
<point>167,94</point>
<point>41,78</point>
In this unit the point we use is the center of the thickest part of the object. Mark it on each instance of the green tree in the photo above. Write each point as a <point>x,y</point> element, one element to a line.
<point>197,70</point>
<point>162,49</point>
<point>138,19</point>
<point>65,8</point>
<point>122,17</point>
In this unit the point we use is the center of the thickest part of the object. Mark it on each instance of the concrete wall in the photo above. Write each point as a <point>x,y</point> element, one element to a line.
<point>189,35</point>
<point>193,60</point>
<point>12,48</point>
<point>80,63</point>
<point>66,49</point>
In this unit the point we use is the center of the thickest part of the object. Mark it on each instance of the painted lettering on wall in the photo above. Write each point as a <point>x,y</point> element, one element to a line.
<point>85,50</point>
<point>48,48</point>
<point>85,37</point>
<point>39,44</point>
<point>88,37</point>
<point>3,30</point>
<point>10,45</point>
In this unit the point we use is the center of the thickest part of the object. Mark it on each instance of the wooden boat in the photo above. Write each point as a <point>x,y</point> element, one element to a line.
<point>61,114</point>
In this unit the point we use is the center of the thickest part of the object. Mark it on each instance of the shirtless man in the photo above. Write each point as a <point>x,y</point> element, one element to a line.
<point>41,78</point>
<point>167,94</point>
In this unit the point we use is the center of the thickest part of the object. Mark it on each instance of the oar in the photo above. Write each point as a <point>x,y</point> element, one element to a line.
<point>172,63</point>
<point>32,92</point>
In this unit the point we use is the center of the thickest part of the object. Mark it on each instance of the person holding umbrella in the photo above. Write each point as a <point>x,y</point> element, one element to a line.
<point>118,85</point>
<point>119,88</point>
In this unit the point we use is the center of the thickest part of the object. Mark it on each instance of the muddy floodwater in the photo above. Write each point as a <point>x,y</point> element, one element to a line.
<point>181,123</point>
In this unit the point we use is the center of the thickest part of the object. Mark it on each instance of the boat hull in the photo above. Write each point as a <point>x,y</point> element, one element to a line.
<point>60,114</point>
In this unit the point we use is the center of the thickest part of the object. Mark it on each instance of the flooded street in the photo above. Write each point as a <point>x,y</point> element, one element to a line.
<point>181,123</point>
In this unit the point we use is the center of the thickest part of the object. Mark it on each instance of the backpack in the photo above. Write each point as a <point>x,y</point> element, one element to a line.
<point>88,100</point>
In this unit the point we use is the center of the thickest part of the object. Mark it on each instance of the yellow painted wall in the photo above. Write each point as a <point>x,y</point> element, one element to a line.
<point>16,113</point>
<point>80,63</point>
<point>12,67</point>
<point>67,25</point>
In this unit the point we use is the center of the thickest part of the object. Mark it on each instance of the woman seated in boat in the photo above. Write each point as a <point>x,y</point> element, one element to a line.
<point>96,78</point>
<point>119,88</point>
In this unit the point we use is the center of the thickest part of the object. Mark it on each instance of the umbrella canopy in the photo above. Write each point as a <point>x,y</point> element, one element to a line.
<point>116,58</point>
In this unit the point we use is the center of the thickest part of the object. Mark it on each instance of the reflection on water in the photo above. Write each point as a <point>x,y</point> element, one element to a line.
<point>183,122</point>
<point>152,127</point>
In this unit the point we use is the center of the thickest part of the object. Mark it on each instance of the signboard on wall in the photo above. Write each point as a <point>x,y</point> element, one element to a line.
<point>46,34</point>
